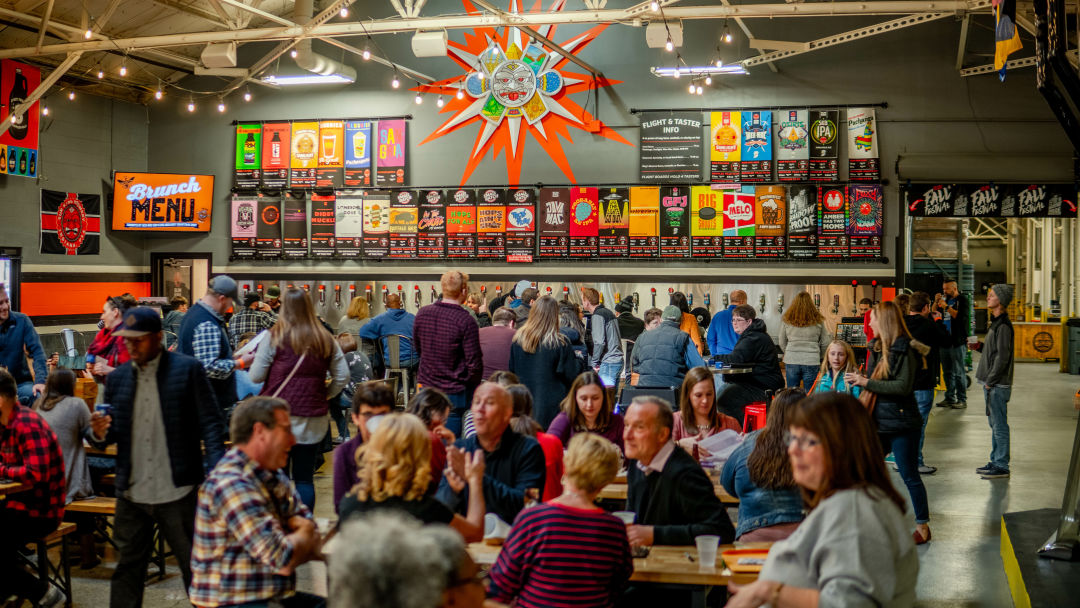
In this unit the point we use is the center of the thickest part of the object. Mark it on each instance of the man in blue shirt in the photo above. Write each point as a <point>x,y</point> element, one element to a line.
<point>721,337</point>
<point>396,320</point>
<point>18,337</point>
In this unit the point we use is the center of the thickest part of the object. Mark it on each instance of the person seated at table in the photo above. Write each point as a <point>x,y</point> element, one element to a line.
<point>514,464</point>
<point>754,349</point>
<point>698,416</point>
<point>839,360</point>
<point>433,407</point>
<point>523,424</point>
<point>673,498</point>
<point>371,400</point>
<point>252,529</point>
<point>758,473</point>
<point>662,355</point>
<point>587,408</point>
<point>395,473</point>
<point>388,560</point>
<point>854,548</point>
<point>568,552</point>
<point>505,379</point>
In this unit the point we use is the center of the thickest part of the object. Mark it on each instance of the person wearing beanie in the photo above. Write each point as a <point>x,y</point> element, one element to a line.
<point>995,374</point>
<point>630,327</point>
<point>664,354</point>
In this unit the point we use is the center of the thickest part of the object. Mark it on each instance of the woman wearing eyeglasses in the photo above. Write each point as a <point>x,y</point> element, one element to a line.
<point>854,548</point>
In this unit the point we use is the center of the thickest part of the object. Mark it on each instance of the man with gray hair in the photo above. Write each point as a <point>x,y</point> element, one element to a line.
<point>251,528</point>
<point>387,560</point>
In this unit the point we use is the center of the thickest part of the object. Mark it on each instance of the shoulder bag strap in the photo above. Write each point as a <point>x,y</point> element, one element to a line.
<point>289,377</point>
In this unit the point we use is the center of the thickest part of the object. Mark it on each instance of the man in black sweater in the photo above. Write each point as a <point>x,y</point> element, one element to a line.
<point>673,498</point>
<point>754,349</point>
<point>932,333</point>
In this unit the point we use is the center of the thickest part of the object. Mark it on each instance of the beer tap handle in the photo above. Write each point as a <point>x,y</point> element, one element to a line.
<point>259,288</point>
<point>433,294</point>
<point>417,297</point>
<point>690,299</point>
<point>854,297</point>
<point>780,304</point>
<point>724,299</point>
<point>322,294</point>
<point>836,304</point>
<point>307,288</point>
<point>367,293</point>
<point>653,290</point>
<point>337,296</point>
<point>636,299</point>
<point>708,302</point>
<point>385,294</point>
<point>761,303</point>
<point>817,301</point>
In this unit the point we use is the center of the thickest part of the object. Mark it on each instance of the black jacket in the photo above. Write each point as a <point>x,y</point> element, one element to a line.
<point>188,409</point>
<point>630,327</point>
<point>896,410</point>
<point>755,349</point>
<point>996,364</point>
<point>679,502</point>
<point>548,373</point>
<point>933,334</point>
<point>959,325</point>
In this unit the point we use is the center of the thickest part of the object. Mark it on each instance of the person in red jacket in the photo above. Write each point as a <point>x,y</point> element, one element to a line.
<point>552,446</point>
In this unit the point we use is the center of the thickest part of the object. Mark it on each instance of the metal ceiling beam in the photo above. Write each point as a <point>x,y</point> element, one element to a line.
<point>221,12</point>
<point>259,12</point>
<point>962,47</point>
<point>46,84</point>
<point>44,24</point>
<point>194,11</point>
<point>532,33</point>
<point>1023,62</point>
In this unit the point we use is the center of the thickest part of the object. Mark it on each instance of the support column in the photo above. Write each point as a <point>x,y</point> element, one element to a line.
<point>1065,274</point>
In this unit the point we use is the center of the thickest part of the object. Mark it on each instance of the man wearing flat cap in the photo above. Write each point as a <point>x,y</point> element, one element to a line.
<point>995,374</point>
<point>163,413</point>
<point>203,336</point>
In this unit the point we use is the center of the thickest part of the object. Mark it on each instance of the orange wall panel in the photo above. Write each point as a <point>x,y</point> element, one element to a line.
<point>40,299</point>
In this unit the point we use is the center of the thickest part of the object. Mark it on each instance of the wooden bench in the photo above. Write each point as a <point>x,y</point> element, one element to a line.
<point>103,507</point>
<point>58,574</point>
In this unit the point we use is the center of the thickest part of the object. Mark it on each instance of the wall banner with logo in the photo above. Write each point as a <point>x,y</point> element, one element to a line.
<point>19,144</point>
<point>739,224</point>
<point>304,160</point>
<point>802,222</point>
<point>331,154</point>
<point>521,225</point>
<point>865,220</point>
<point>644,221</point>
<point>614,236</point>
<point>770,207</point>
<point>670,148</point>
<point>294,225</point>
<point>491,224</point>
<point>403,223</point>
<point>349,223</point>
<point>70,223</point>
<point>323,225</point>
<point>553,221</point>
<point>862,134</point>
<point>358,170</point>
<point>674,221</point>
<point>584,222</point>
<point>376,224</point>
<point>276,147</point>
<point>431,229</point>
<point>991,200</point>
<point>243,212</point>
<point>461,224</point>
<point>824,146</point>
<point>756,165</point>
<point>268,228</point>
<point>706,222</point>
<point>725,147</point>
<point>390,151</point>
<point>792,145</point>
<point>248,170</point>
<point>832,222</point>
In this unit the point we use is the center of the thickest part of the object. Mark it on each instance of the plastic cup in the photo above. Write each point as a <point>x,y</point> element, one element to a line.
<point>627,517</point>
<point>104,409</point>
<point>707,545</point>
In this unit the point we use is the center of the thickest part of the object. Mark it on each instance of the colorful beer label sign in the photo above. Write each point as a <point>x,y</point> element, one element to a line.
<point>706,222</point>
<point>276,146</point>
<point>390,162</point>
<point>461,224</point>
<point>323,226</point>
<point>376,224</point>
<point>19,143</point>
<point>824,146</point>
<point>358,170</point>
<point>802,222</point>
<point>674,221</point>
<point>520,225</point>
<point>491,223</point>
<point>304,160</point>
<point>331,154</point>
<point>614,237</point>
<point>792,145</point>
<point>770,233</point>
<point>584,223</point>
<point>865,220</point>
<point>725,147</point>
<point>268,228</point>
<point>832,222</point>
<point>756,165</point>
<point>243,219</point>
<point>248,166</point>
<point>349,223</point>
<point>553,217</point>
<point>403,224</point>
<point>431,228</point>
<point>645,222</point>
<point>294,225</point>
<point>863,163</point>
<point>739,224</point>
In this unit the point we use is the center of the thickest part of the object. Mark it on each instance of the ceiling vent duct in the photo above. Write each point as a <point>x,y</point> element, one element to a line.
<point>308,59</point>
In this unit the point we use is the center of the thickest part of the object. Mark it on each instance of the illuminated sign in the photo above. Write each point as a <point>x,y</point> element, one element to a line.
<point>162,202</point>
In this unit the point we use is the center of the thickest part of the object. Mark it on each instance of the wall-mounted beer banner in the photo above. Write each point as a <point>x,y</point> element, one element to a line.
<point>321,154</point>
<point>991,200</point>
<point>522,225</point>
<point>19,144</point>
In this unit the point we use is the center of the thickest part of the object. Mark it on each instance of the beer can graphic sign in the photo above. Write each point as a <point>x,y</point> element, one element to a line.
<point>584,222</point>
<point>357,146</point>
<point>675,221</point>
<point>248,165</point>
<point>242,222</point>
<point>431,227</point>
<point>614,222</point>
<point>491,223</point>
<point>304,158</point>
<point>276,147</point>
<point>770,232</point>
<point>331,154</point>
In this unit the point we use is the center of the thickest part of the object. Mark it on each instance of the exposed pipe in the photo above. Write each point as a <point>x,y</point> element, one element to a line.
<point>306,58</point>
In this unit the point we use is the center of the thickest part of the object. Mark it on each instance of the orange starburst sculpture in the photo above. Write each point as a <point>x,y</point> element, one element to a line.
<point>511,79</point>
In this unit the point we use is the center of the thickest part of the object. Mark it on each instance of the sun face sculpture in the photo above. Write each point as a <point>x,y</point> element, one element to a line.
<point>511,79</point>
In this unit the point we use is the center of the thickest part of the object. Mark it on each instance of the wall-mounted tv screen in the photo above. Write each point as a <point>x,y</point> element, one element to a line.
<point>162,202</point>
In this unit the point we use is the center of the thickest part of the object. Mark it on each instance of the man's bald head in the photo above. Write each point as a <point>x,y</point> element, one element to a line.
<point>738,297</point>
<point>454,284</point>
<point>393,301</point>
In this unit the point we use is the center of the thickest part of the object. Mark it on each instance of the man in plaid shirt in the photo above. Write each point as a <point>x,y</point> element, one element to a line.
<point>251,529</point>
<point>253,318</point>
<point>30,455</point>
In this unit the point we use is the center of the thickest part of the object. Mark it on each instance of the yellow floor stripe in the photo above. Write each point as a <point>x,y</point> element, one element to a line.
<point>1012,570</point>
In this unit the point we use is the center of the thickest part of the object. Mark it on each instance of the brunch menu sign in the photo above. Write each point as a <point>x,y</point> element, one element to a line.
<point>162,202</point>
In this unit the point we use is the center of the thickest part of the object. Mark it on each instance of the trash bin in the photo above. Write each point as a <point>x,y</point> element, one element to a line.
<point>1072,345</point>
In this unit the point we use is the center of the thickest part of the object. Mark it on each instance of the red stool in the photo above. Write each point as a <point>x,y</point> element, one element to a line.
<point>755,412</point>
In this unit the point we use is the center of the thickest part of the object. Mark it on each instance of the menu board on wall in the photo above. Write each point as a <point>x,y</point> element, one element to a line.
<point>802,222</point>
<point>268,228</point>
<point>554,220</point>
<point>431,229</point>
<point>491,223</point>
<point>756,165</point>
<point>674,221</point>
<point>614,235</point>
<point>644,222</point>
<point>706,223</point>
<point>403,222</point>
<point>358,154</point>
<point>824,146</point>
<point>461,224</point>
<point>792,146</point>
<point>244,210</point>
<point>331,154</point>
<point>276,138</point>
<point>671,147</point>
<point>864,220</point>
<point>390,163</point>
<point>832,222</point>
<point>726,147</point>
<point>521,225</point>
<point>376,224</point>
<point>323,226</point>
<point>248,155</point>
<point>294,225</point>
<point>584,223</point>
<point>304,160</point>
<point>863,164</point>
<point>349,223</point>
<point>739,224</point>
<point>770,232</point>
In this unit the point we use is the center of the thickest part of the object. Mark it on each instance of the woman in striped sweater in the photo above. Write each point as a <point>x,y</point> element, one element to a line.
<point>568,552</point>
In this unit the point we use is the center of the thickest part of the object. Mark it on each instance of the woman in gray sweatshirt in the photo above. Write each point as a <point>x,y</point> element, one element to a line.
<point>804,340</point>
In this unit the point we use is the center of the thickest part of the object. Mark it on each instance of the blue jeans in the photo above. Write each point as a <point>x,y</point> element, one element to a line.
<point>338,406</point>
<point>925,399</point>
<point>997,409</point>
<point>953,368</point>
<point>904,446</point>
<point>609,373</point>
<point>804,373</point>
<point>459,403</point>
<point>302,471</point>
<point>26,393</point>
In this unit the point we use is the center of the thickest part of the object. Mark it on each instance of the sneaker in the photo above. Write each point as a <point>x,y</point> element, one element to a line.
<point>995,473</point>
<point>959,405</point>
<point>946,403</point>
<point>890,458</point>
<point>986,467</point>
<point>53,597</point>
<point>927,470</point>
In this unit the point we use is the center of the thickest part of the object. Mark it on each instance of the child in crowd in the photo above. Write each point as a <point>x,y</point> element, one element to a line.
<point>360,371</point>
<point>839,360</point>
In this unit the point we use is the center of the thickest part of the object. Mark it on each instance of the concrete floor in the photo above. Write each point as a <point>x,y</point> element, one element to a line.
<point>960,567</point>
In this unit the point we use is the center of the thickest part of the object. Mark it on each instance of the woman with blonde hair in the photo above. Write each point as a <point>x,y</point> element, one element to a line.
<point>587,408</point>
<point>804,339</point>
<point>895,358</point>
<point>293,365</point>
<point>698,417</point>
<point>839,361</point>
<point>357,315</point>
<point>543,359</point>
<point>394,472</point>
<point>568,551</point>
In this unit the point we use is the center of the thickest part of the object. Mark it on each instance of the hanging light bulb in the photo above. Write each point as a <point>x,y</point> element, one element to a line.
<point>221,106</point>
<point>123,69</point>
<point>699,90</point>
<point>44,110</point>
<point>678,72</point>
<point>719,62</point>
<point>71,95</point>
<point>395,82</point>
<point>654,6</point>
<point>293,53</point>
<point>728,37</point>
<point>418,99</point>
<point>366,54</point>
<point>158,94</point>
<point>669,46</point>
<point>692,88</point>
<point>708,80</point>
<point>100,74</point>
<point>439,102</point>
<point>247,95</point>
<point>88,34</point>
<point>344,11</point>
<point>460,94</point>
<point>191,105</point>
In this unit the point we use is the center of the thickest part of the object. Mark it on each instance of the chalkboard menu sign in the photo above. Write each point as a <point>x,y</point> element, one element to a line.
<point>584,222</point>
<point>644,222</point>
<point>431,229</point>
<point>802,222</point>
<point>554,220</point>
<point>403,222</point>
<point>832,222</point>
<point>491,224</point>
<point>614,222</point>
<point>674,222</point>
<point>461,224</point>
<point>520,225</point>
<point>671,146</point>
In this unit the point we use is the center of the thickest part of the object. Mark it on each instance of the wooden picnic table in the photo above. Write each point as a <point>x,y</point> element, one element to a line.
<point>616,490</point>
<point>12,487</point>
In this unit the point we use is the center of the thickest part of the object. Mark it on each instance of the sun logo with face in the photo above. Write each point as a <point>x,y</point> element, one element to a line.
<point>512,77</point>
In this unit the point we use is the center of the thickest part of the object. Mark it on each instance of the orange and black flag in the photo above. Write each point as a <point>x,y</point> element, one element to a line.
<point>1006,35</point>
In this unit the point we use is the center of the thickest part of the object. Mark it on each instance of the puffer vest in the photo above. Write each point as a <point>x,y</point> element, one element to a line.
<point>306,390</point>
<point>660,354</point>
